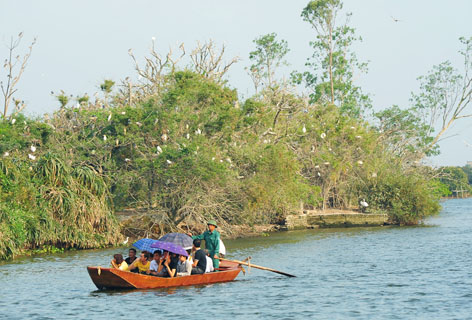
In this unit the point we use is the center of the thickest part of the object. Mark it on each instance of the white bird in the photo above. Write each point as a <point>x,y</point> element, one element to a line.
<point>363,205</point>
<point>326,163</point>
<point>104,138</point>
<point>304,129</point>
<point>186,126</point>
<point>198,131</point>
<point>139,124</point>
<point>168,161</point>
<point>323,135</point>
<point>127,160</point>
<point>33,148</point>
<point>109,117</point>
<point>164,137</point>
<point>213,159</point>
<point>358,137</point>
<point>228,160</point>
<point>123,113</point>
<point>319,174</point>
<point>188,135</point>
<point>31,156</point>
<point>159,150</point>
<point>6,154</point>
<point>360,162</point>
<point>13,121</point>
<point>126,241</point>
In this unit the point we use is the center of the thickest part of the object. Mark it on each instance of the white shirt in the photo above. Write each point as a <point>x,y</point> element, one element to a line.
<point>209,267</point>
<point>154,265</point>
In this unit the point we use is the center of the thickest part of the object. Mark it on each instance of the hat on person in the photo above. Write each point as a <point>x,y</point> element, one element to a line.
<point>212,222</point>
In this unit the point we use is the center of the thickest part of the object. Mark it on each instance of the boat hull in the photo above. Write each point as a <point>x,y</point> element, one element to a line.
<point>107,278</point>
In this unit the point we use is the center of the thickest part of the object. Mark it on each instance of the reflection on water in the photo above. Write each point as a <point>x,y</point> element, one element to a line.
<point>381,273</point>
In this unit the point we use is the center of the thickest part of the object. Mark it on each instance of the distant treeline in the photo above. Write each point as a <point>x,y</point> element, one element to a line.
<point>181,146</point>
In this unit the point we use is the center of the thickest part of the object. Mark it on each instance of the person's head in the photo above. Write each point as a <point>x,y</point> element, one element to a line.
<point>197,243</point>
<point>118,258</point>
<point>144,256</point>
<point>212,225</point>
<point>132,252</point>
<point>157,255</point>
<point>182,258</point>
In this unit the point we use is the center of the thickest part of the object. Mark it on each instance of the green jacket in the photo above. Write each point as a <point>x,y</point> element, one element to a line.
<point>212,241</point>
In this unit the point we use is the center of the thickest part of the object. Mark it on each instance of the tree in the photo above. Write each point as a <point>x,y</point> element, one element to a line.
<point>266,58</point>
<point>445,96</point>
<point>107,87</point>
<point>404,133</point>
<point>332,64</point>
<point>13,76</point>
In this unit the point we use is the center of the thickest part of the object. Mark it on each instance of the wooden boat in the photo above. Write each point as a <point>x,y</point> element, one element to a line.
<point>107,278</point>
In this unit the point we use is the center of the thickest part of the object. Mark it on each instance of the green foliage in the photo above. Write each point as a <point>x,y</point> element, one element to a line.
<point>404,132</point>
<point>468,171</point>
<point>406,197</point>
<point>107,86</point>
<point>455,179</point>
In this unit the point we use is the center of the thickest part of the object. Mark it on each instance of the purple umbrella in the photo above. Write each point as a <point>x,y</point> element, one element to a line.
<point>171,247</point>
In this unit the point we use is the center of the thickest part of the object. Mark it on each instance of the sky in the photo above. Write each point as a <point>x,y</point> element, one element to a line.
<point>81,43</point>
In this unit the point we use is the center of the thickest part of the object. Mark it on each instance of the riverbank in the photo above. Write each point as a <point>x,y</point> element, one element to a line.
<point>137,223</point>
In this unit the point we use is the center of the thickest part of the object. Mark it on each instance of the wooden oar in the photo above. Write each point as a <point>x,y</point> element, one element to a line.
<point>259,267</point>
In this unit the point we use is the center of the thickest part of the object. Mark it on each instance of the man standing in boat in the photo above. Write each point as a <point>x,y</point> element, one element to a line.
<point>212,241</point>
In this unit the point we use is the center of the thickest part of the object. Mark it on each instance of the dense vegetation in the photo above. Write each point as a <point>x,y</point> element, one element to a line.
<point>183,147</point>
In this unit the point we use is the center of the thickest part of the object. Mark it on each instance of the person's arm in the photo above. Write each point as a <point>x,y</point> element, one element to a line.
<point>114,265</point>
<point>170,271</point>
<point>195,262</point>
<point>189,268</point>
<point>133,265</point>
<point>199,237</point>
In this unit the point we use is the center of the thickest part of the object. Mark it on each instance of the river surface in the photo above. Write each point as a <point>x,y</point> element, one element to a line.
<point>422,272</point>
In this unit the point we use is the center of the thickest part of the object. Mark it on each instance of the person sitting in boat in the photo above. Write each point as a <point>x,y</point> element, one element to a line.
<point>142,264</point>
<point>199,261</point>
<point>131,258</point>
<point>119,263</point>
<point>184,268</point>
<point>156,264</point>
<point>209,266</point>
<point>171,260</point>
<point>212,241</point>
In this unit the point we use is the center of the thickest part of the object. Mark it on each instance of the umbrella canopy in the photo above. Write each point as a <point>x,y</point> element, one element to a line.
<point>145,244</point>
<point>171,247</point>
<point>180,239</point>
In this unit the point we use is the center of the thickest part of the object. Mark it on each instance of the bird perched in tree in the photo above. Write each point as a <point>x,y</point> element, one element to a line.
<point>363,205</point>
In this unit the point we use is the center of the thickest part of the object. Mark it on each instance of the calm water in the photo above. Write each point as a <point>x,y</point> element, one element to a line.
<point>374,273</point>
